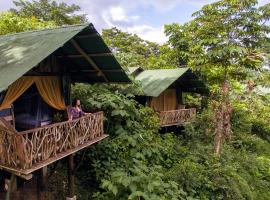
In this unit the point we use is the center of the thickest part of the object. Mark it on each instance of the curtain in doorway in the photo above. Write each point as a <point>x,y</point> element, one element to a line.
<point>16,90</point>
<point>49,87</point>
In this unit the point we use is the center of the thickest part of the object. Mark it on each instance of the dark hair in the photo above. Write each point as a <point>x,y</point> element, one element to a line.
<point>74,102</point>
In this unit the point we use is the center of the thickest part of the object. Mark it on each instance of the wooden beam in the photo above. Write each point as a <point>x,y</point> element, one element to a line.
<point>81,51</point>
<point>90,55</point>
<point>26,177</point>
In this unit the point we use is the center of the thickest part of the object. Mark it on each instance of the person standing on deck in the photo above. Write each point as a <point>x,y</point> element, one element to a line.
<point>76,111</point>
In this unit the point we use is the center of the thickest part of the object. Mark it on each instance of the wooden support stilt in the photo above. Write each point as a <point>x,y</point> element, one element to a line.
<point>38,186</point>
<point>71,178</point>
<point>42,180</point>
<point>12,186</point>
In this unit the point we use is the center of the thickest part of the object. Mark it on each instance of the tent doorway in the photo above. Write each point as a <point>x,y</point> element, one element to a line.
<point>31,111</point>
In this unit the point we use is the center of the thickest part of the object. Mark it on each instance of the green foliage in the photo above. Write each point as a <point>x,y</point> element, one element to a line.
<point>228,39</point>
<point>12,23</point>
<point>48,10</point>
<point>177,39</point>
<point>38,15</point>
<point>129,164</point>
<point>125,42</point>
<point>132,51</point>
<point>234,176</point>
<point>130,59</point>
<point>137,163</point>
<point>192,100</point>
<point>241,172</point>
<point>140,182</point>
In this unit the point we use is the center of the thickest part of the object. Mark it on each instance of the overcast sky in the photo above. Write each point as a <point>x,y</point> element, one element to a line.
<point>143,17</point>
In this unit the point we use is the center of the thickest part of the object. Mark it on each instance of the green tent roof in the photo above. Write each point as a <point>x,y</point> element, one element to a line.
<point>23,51</point>
<point>154,82</point>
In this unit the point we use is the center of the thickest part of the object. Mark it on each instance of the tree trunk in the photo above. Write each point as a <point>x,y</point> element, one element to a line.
<point>11,186</point>
<point>218,110</point>
<point>222,111</point>
<point>71,178</point>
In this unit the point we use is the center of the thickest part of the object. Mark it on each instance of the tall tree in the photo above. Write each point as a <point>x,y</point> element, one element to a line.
<point>48,10</point>
<point>227,41</point>
<point>131,50</point>
<point>180,45</point>
<point>13,23</point>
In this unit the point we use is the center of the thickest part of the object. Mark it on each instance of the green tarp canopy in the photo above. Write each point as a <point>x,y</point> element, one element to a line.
<point>154,82</point>
<point>94,62</point>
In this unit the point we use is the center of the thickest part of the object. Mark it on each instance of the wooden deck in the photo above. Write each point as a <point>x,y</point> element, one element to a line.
<point>27,151</point>
<point>177,117</point>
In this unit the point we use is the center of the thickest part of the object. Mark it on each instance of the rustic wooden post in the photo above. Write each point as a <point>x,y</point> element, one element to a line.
<point>71,178</point>
<point>12,186</point>
<point>42,182</point>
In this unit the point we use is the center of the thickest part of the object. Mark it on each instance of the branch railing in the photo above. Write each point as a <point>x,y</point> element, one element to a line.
<point>177,117</point>
<point>23,150</point>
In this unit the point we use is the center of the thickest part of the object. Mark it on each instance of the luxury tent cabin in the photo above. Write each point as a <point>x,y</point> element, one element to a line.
<point>162,91</point>
<point>37,69</point>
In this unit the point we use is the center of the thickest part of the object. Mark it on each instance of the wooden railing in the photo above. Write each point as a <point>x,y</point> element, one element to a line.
<point>30,150</point>
<point>177,117</point>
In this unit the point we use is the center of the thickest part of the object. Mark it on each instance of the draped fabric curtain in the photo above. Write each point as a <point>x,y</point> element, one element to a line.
<point>16,90</point>
<point>49,87</point>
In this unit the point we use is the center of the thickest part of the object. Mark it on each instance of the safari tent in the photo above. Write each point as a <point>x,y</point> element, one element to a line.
<point>37,69</point>
<point>162,91</point>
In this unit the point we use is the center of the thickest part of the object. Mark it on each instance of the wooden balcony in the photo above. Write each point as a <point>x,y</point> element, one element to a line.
<point>28,151</point>
<point>177,117</point>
